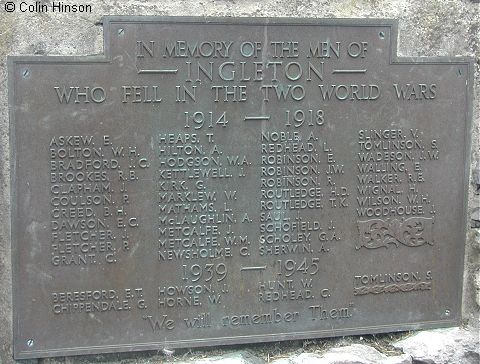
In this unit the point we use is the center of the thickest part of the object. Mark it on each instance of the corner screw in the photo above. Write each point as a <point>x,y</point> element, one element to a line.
<point>381,35</point>
<point>30,343</point>
<point>447,312</point>
<point>121,31</point>
<point>26,73</point>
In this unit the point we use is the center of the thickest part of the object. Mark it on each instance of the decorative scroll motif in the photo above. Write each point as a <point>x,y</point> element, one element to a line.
<point>392,288</point>
<point>377,233</point>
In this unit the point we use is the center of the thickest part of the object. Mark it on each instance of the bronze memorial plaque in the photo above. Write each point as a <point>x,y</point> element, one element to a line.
<point>216,181</point>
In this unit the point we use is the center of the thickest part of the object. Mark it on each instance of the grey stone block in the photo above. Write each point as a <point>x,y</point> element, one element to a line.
<point>352,354</point>
<point>443,346</point>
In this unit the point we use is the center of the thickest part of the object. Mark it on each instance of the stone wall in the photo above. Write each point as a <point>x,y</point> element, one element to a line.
<point>426,28</point>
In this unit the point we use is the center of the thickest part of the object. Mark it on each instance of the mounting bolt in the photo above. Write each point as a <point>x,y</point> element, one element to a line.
<point>26,73</point>
<point>30,343</point>
<point>447,312</point>
<point>381,35</point>
<point>121,31</point>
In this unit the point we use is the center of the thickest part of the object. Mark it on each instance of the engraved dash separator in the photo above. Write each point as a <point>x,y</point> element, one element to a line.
<point>350,71</point>
<point>257,117</point>
<point>254,268</point>
<point>158,71</point>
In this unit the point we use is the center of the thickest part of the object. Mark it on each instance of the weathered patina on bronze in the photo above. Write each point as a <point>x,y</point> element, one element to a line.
<point>218,181</point>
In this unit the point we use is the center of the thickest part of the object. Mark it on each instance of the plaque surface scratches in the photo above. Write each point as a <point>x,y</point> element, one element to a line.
<point>219,181</point>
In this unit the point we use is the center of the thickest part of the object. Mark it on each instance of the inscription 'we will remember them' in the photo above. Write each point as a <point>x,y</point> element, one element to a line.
<point>233,181</point>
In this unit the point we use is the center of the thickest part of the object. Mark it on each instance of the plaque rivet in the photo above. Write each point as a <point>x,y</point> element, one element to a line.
<point>30,343</point>
<point>121,31</point>
<point>447,312</point>
<point>26,73</point>
<point>381,35</point>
